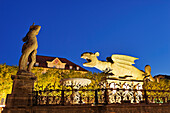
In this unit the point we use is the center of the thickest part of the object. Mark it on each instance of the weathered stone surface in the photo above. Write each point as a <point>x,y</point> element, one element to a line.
<point>119,66</point>
<point>22,84</point>
<point>21,95</point>
<point>103,109</point>
<point>128,108</point>
<point>29,48</point>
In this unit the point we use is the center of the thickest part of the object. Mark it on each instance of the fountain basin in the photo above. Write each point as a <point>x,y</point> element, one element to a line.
<point>75,83</point>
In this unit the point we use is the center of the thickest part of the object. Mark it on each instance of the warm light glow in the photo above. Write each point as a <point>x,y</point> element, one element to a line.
<point>56,63</point>
<point>121,66</point>
<point>2,105</point>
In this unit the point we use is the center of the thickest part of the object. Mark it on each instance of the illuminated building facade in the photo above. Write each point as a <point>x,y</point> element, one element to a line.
<point>55,62</point>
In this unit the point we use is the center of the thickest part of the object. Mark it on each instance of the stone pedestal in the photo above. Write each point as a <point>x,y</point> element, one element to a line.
<point>21,96</point>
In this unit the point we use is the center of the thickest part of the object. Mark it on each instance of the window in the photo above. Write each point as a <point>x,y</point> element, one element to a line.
<point>36,64</point>
<point>78,68</point>
<point>71,67</point>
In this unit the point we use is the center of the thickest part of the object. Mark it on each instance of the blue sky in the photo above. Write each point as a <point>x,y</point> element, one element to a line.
<point>140,28</point>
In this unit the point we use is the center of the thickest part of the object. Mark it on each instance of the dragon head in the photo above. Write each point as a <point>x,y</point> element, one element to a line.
<point>91,59</point>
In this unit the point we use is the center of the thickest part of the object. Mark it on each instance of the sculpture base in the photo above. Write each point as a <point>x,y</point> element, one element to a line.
<point>21,95</point>
<point>22,84</point>
<point>23,72</point>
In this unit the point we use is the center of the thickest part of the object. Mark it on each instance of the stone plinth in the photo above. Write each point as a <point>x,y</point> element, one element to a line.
<point>21,95</point>
<point>22,84</point>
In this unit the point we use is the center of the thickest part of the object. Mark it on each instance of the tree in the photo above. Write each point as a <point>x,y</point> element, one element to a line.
<point>51,78</point>
<point>5,79</point>
<point>162,89</point>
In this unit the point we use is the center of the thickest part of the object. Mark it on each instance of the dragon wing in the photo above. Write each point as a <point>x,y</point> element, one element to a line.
<point>123,61</point>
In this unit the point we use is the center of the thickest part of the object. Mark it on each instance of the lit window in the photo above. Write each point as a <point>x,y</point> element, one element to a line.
<point>71,67</point>
<point>78,68</point>
<point>36,64</point>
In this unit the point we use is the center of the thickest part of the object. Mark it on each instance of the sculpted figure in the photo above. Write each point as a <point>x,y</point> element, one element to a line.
<point>120,66</point>
<point>29,49</point>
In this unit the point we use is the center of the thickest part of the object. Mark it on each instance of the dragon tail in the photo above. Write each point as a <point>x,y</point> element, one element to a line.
<point>148,72</point>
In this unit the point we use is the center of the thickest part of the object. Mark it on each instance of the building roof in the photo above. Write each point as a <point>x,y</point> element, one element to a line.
<point>42,60</point>
<point>162,76</point>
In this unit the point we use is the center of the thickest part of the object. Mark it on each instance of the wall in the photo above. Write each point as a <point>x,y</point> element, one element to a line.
<point>115,108</point>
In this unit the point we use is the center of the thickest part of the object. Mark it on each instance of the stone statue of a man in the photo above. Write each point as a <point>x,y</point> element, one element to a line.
<point>29,49</point>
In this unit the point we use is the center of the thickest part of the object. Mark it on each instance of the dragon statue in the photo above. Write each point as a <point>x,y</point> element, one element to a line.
<point>119,66</point>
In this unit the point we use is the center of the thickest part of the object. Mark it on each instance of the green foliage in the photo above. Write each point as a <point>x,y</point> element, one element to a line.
<point>5,79</point>
<point>163,85</point>
<point>50,79</point>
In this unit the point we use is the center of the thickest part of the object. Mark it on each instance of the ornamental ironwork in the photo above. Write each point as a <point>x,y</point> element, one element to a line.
<point>112,93</point>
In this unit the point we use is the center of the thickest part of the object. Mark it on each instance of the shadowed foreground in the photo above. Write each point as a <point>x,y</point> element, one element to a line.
<point>126,108</point>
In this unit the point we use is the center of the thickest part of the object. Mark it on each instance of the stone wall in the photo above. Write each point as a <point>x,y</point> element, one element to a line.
<point>115,108</point>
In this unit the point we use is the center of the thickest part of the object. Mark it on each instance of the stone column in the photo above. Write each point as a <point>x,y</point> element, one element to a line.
<point>21,96</point>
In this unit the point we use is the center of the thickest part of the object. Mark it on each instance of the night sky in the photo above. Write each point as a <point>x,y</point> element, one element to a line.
<point>140,28</point>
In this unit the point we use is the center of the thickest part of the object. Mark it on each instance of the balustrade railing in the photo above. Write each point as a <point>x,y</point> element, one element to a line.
<point>99,96</point>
